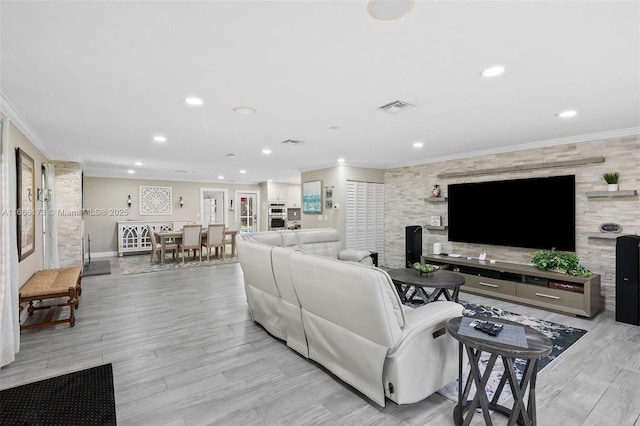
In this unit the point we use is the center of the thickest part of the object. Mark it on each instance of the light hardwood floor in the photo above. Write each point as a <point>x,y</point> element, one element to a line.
<point>185,352</point>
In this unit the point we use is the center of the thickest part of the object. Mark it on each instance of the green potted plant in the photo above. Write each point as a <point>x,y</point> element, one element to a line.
<point>563,263</point>
<point>612,180</point>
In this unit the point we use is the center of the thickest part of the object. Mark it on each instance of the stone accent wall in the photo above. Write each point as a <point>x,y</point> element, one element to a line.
<point>69,213</point>
<point>407,187</point>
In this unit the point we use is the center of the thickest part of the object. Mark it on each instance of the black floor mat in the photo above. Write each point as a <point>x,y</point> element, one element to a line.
<point>96,267</point>
<point>82,398</point>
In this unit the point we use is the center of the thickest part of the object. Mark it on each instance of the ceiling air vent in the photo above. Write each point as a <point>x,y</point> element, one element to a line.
<point>292,142</point>
<point>395,106</point>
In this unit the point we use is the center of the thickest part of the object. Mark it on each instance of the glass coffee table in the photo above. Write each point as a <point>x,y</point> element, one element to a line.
<point>410,284</point>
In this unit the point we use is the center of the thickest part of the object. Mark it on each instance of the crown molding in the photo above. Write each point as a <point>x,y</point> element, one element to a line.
<point>19,121</point>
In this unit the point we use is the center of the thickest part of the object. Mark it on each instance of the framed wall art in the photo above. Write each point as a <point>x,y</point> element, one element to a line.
<point>312,197</point>
<point>155,200</point>
<point>26,217</point>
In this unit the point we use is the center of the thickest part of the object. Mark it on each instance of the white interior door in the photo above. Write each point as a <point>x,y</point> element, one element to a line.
<point>213,205</point>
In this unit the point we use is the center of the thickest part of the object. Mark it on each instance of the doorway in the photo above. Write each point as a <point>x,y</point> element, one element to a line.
<point>213,205</point>
<point>248,210</point>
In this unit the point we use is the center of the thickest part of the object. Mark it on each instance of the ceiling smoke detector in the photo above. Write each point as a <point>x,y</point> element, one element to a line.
<point>292,142</point>
<point>395,106</point>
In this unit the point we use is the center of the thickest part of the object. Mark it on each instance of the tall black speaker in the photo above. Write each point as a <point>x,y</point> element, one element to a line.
<point>628,279</point>
<point>413,244</point>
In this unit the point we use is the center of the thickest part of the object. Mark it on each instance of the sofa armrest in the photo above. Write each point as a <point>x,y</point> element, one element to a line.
<point>434,314</point>
<point>352,255</point>
<point>426,358</point>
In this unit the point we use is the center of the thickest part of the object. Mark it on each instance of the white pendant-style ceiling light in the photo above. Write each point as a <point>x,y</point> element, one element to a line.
<point>388,10</point>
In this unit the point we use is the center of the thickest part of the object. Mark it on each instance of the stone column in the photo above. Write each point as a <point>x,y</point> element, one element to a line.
<point>69,213</point>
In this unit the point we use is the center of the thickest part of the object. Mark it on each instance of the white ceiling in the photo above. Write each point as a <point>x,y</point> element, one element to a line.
<point>95,81</point>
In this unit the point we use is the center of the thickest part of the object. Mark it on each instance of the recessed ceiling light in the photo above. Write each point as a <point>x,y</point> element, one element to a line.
<point>220,177</point>
<point>137,163</point>
<point>266,151</point>
<point>340,160</point>
<point>243,171</point>
<point>131,171</point>
<point>493,71</point>
<point>418,144</point>
<point>230,155</point>
<point>334,127</point>
<point>193,101</point>
<point>568,114</point>
<point>159,138</point>
<point>244,110</point>
<point>388,10</point>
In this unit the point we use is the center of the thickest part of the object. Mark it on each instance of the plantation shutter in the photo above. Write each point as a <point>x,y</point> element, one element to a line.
<point>365,217</point>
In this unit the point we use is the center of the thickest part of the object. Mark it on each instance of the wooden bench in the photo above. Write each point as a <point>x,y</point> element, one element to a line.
<point>52,284</point>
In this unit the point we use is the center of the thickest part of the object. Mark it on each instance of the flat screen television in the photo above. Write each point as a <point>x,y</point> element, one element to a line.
<point>537,213</point>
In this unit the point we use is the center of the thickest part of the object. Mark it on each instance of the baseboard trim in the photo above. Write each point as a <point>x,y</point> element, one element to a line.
<point>102,254</point>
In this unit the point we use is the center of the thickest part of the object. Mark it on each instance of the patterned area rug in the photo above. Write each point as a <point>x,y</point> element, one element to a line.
<point>81,398</point>
<point>139,264</point>
<point>562,337</point>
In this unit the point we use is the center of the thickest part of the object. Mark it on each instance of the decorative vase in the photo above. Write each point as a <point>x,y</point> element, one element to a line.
<point>435,192</point>
<point>612,187</point>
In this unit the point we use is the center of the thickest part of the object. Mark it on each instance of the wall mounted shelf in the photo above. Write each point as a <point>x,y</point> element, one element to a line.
<point>603,235</point>
<point>436,199</point>
<point>523,167</point>
<point>626,193</point>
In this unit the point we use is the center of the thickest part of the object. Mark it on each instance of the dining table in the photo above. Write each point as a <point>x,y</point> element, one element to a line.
<point>165,236</point>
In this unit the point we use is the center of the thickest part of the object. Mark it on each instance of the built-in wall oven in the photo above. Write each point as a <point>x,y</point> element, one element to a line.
<point>277,215</point>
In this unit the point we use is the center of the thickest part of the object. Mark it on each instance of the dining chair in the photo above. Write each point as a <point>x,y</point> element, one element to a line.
<point>215,238</point>
<point>156,245</point>
<point>191,240</point>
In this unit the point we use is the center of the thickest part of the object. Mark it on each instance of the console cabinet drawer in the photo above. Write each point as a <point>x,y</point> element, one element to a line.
<point>489,284</point>
<point>552,296</point>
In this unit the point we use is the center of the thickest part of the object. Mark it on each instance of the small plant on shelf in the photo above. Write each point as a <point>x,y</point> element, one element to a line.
<point>564,263</point>
<point>611,178</point>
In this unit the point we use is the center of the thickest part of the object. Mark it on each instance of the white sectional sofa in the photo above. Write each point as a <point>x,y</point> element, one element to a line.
<point>346,315</point>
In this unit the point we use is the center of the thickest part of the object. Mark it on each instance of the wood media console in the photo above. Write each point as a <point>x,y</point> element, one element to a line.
<point>526,284</point>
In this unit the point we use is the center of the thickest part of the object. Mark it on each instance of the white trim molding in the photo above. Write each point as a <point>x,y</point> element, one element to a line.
<point>16,118</point>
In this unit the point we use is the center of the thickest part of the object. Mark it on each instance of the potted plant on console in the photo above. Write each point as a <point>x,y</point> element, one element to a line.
<point>564,263</point>
<point>612,180</point>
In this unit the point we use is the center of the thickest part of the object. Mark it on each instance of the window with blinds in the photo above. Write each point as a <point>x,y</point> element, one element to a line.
<point>365,217</point>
